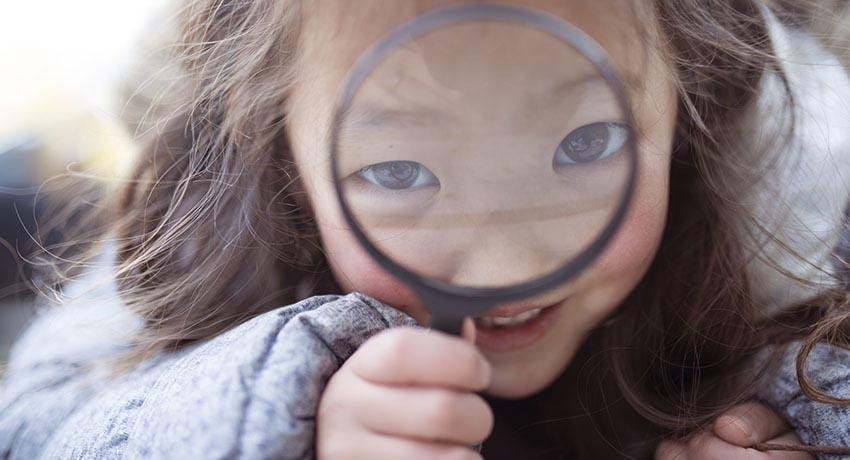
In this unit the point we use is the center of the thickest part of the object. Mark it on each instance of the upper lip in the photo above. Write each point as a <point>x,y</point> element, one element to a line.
<point>513,310</point>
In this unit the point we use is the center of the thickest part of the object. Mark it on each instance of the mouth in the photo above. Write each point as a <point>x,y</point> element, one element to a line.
<point>514,328</point>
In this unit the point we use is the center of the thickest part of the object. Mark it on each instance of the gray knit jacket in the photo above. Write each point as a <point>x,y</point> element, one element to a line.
<point>249,393</point>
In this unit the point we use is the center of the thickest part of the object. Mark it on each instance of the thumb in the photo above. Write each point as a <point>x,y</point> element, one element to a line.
<point>468,330</point>
<point>749,424</point>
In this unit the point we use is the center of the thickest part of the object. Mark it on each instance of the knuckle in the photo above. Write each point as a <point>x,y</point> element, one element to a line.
<point>331,449</point>
<point>485,415</point>
<point>490,421</point>
<point>442,411</point>
<point>341,406</point>
<point>383,353</point>
<point>340,388</point>
<point>331,404</point>
<point>471,361</point>
<point>397,346</point>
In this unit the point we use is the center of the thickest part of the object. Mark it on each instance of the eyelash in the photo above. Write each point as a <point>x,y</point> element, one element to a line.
<point>366,187</point>
<point>369,182</point>
<point>424,176</point>
<point>617,136</point>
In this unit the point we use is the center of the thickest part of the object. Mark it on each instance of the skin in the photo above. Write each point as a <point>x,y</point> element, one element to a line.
<point>359,415</point>
<point>597,292</point>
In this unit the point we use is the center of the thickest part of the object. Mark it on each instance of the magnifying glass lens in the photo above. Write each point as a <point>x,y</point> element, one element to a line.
<point>484,154</point>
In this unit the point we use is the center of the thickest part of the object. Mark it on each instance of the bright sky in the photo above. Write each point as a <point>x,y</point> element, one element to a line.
<point>61,55</point>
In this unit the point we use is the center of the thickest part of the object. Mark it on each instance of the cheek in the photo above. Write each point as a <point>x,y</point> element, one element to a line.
<point>353,268</point>
<point>634,245</point>
<point>356,271</point>
<point>630,252</point>
<point>624,261</point>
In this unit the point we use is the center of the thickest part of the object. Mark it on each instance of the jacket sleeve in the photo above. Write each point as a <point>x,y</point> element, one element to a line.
<point>251,392</point>
<point>816,423</point>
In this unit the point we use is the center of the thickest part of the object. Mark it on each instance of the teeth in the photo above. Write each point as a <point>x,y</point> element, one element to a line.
<point>498,321</point>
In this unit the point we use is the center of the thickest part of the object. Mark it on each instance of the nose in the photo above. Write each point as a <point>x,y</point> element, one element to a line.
<point>507,236</point>
<point>501,257</point>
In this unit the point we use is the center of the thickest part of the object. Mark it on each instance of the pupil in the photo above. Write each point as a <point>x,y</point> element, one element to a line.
<point>401,171</point>
<point>587,143</point>
<point>397,174</point>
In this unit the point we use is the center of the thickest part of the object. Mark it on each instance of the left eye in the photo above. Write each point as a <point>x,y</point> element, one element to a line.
<point>591,143</point>
<point>398,175</point>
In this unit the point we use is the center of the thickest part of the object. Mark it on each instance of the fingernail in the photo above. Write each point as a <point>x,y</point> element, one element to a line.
<point>468,330</point>
<point>485,371</point>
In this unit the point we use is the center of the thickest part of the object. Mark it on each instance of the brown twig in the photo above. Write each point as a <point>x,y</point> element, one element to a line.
<point>763,446</point>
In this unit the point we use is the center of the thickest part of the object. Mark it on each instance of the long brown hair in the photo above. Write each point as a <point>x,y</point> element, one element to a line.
<point>213,227</point>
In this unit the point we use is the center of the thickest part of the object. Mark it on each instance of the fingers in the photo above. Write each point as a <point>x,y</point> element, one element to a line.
<point>671,450</point>
<point>430,414</point>
<point>748,424</point>
<point>733,434</point>
<point>406,393</point>
<point>380,447</point>
<point>703,446</point>
<point>706,446</point>
<point>407,351</point>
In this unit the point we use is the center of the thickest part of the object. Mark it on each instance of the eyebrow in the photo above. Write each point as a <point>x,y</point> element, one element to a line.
<point>631,83</point>
<point>376,116</point>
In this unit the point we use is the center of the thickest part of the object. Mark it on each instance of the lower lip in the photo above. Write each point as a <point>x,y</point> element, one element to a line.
<point>503,339</point>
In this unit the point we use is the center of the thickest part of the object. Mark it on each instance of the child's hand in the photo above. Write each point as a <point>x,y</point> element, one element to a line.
<point>732,434</point>
<point>406,393</point>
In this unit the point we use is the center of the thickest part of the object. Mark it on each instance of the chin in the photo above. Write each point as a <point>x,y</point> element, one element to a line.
<point>514,392</point>
<point>511,387</point>
<point>523,376</point>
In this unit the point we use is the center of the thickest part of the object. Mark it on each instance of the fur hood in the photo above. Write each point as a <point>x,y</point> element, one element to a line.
<point>799,205</point>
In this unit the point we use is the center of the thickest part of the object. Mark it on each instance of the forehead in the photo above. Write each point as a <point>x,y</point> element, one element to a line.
<point>336,32</point>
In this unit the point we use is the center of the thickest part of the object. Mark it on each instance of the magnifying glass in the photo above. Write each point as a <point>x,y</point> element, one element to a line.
<point>483,154</point>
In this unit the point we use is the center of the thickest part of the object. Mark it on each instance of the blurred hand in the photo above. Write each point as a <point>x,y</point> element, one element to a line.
<point>406,394</point>
<point>732,435</point>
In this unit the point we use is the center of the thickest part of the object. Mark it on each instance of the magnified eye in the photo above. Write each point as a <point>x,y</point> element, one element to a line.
<point>591,142</point>
<point>398,175</point>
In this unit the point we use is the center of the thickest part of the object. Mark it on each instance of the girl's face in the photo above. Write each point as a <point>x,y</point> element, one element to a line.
<point>335,33</point>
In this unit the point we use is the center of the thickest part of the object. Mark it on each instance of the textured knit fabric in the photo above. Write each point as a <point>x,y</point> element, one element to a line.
<point>251,392</point>
<point>816,423</point>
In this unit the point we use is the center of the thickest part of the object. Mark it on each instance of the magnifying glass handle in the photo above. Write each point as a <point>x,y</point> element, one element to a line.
<point>452,325</point>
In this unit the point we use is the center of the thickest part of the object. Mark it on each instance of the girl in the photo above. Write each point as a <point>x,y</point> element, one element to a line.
<point>724,263</point>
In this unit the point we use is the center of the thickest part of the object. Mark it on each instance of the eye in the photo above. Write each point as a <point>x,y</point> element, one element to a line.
<point>398,175</point>
<point>591,142</point>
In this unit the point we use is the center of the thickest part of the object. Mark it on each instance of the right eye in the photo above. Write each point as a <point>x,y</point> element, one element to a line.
<point>398,175</point>
<point>591,142</point>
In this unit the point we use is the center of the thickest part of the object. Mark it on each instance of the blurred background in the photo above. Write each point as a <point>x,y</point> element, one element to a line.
<point>68,70</point>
